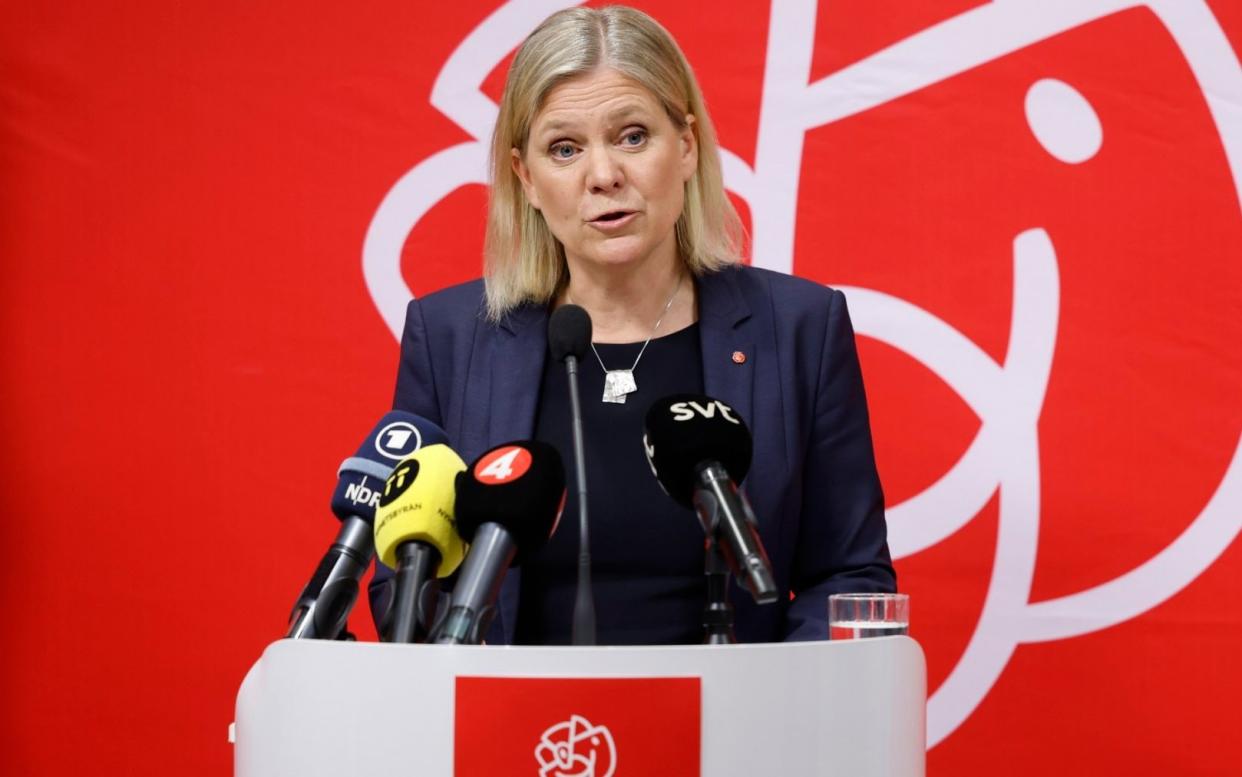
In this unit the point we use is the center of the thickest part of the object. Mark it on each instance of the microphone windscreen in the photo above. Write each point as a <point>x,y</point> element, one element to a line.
<point>361,477</point>
<point>518,485</point>
<point>569,332</point>
<point>417,505</point>
<point>685,430</point>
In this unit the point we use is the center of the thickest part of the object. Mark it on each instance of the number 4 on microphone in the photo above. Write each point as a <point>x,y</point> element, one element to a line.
<point>503,464</point>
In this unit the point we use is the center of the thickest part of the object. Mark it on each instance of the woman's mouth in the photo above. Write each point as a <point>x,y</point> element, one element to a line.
<point>612,220</point>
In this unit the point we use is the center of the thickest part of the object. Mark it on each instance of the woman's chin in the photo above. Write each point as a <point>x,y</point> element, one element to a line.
<point>619,254</point>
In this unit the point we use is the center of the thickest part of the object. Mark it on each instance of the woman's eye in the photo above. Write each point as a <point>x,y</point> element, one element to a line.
<point>634,138</point>
<point>562,151</point>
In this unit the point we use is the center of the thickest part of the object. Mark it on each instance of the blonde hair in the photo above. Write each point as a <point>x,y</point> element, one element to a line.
<point>523,261</point>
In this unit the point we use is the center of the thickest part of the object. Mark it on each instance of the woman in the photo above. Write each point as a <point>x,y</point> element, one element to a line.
<point>607,193</point>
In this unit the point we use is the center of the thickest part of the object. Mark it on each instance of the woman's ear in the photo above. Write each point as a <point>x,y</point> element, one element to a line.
<point>689,149</point>
<point>523,173</point>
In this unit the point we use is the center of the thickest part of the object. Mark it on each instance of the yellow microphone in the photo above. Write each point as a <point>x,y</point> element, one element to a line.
<point>416,533</point>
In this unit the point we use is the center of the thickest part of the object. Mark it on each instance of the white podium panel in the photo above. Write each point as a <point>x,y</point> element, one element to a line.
<point>857,708</point>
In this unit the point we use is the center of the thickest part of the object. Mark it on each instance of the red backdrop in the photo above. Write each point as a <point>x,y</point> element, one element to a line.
<point>1033,208</point>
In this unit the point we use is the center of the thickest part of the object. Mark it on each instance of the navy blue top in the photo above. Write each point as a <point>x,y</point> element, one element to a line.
<point>646,550</point>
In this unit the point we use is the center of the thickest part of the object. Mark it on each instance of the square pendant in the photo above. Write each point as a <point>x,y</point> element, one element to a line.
<point>618,383</point>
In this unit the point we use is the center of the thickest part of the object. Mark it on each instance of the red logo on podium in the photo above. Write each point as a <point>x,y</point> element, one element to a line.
<point>556,727</point>
<point>578,748</point>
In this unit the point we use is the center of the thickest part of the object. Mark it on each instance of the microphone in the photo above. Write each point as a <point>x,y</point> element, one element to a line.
<point>509,503</point>
<point>415,533</point>
<point>569,337</point>
<point>323,606</point>
<point>699,449</point>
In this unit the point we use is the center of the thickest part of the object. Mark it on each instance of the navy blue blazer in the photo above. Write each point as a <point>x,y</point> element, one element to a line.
<point>813,483</point>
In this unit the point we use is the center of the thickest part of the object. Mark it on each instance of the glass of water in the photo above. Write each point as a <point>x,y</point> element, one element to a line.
<point>857,616</point>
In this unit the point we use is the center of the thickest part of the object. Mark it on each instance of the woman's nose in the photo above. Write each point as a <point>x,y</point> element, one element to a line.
<point>604,173</point>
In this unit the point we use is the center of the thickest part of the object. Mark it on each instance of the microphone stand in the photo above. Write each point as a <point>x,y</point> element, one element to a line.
<point>569,338</point>
<point>417,588</point>
<point>718,614</point>
<point>584,601</point>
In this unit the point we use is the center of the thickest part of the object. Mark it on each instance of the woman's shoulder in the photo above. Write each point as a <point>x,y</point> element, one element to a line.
<point>463,301</point>
<point>454,313</point>
<point>465,305</point>
<point>788,295</point>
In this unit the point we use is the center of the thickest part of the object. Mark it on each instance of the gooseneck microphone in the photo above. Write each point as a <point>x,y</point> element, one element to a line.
<point>699,450</point>
<point>509,503</point>
<point>415,533</point>
<point>323,607</point>
<point>569,337</point>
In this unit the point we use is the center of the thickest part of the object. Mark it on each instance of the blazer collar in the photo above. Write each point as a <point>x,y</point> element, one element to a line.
<point>727,339</point>
<point>720,298</point>
<point>525,316</point>
<point>516,371</point>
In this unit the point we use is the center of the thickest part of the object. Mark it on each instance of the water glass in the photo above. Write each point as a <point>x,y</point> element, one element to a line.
<point>858,616</point>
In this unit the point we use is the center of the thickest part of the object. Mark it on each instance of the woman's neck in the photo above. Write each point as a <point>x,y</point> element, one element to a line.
<point>625,306</point>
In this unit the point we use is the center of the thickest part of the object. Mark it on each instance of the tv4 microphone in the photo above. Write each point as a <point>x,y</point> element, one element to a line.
<point>508,504</point>
<point>569,337</point>
<point>323,606</point>
<point>699,449</point>
<point>415,533</point>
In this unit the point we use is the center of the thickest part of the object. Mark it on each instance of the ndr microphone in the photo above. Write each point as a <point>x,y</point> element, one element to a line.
<point>508,504</point>
<point>415,534</point>
<point>323,606</point>
<point>699,450</point>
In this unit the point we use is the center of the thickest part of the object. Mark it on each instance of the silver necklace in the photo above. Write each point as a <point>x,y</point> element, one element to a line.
<point>620,383</point>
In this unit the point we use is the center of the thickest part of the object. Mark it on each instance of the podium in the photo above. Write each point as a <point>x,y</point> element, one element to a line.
<point>855,707</point>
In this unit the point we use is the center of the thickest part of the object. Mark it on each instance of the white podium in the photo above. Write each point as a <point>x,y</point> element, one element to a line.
<point>855,708</point>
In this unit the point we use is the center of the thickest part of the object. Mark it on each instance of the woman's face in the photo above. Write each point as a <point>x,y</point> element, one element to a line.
<point>607,169</point>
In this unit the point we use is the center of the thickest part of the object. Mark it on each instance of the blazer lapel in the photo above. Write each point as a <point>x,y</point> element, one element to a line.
<point>517,359</point>
<point>737,341</point>
<point>728,344</point>
<point>516,354</point>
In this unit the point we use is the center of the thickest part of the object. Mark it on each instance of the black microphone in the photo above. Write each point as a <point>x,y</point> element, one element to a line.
<point>323,607</point>
<point>699,449</point>
<point>569,337</point>
<point>508,503</point>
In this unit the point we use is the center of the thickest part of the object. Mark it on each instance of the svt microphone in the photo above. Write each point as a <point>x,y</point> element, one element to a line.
<point>569,337</point>
<point>415,533</point>
<point>323,606</point>
<point>699,450</point>
<point>508,503</point>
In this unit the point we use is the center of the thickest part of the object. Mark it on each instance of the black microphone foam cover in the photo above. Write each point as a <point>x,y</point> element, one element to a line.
<point>569,332</point>
<point>518,485</point>
<point>685,430</point>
